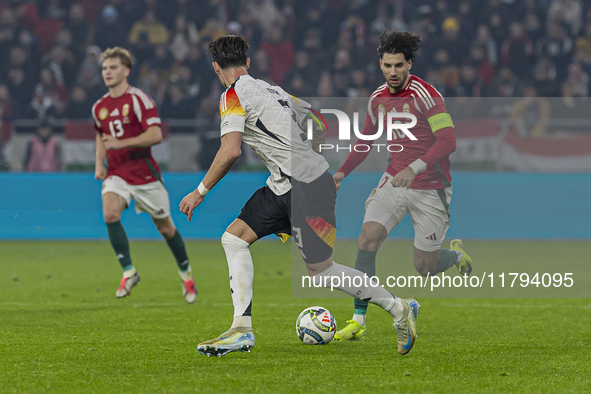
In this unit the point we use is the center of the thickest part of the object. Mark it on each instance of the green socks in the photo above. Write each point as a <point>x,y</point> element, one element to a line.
<point>365,262</point>
<point>120,244</point>
<point>177,246</point>
<point>447,258</point>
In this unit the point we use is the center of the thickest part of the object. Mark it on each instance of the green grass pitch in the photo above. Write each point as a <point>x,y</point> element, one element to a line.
<point>62,330</point>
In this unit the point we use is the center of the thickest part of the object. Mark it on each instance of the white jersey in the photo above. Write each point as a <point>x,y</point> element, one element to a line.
<point>268,119</point>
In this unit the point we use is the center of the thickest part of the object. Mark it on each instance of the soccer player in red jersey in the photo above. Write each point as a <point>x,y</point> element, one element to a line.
<point>127,125</point>
<point>417,179</point>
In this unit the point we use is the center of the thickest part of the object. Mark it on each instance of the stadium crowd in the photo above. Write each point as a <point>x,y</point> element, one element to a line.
<point>51,49</point>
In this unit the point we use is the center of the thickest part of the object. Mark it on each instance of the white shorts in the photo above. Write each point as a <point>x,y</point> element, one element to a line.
<point>151,197</point>
<point>429,210</point>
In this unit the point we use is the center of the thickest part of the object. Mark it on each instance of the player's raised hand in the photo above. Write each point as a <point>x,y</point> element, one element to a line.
<point>338,178</point>
<point>190,202</point>
<point>111,142</point>
<point>404,178</point>
<point>100,172</point>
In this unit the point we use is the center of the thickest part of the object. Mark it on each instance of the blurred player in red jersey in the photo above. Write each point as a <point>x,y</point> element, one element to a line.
<point>417,179</point>
<point>127,125</point>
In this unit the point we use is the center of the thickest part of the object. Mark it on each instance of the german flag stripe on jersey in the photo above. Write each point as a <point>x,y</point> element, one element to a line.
<point>326,231</point>
<point>230,104</point>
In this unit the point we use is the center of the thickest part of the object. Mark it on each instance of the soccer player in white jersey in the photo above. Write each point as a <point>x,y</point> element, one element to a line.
<point>265,118</point>
<point>417,179</point>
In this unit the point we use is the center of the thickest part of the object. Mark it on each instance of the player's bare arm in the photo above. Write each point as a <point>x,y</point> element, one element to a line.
<point>100,172</point>
<point>224,160</point>
<point>152,136</point>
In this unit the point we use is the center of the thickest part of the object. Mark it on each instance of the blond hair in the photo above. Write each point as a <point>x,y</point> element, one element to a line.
<point>118,52</point>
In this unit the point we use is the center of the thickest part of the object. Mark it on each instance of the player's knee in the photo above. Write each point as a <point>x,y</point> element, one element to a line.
<point>167,230</point>
<point>367,243</point>
<point>111,216</point>
<point>232,242</point>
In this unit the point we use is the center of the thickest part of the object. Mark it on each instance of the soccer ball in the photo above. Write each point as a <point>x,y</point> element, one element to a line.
<point>316,326</point>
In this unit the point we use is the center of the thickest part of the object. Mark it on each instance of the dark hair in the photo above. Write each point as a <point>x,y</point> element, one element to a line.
<point>399,42</point>
<point>229,51</point>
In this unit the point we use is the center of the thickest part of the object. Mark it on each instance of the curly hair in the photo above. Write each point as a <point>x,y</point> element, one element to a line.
<point>229,51</point>
<point>399,42</point>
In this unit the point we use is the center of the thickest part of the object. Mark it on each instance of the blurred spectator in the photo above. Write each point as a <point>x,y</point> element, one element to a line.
<point>517,50</point>
<point>43,150</point>
<point>110,31</point>
<point>448,71</point>
<point>482,65</point>
<point>264,12</point>
<point>556,46</point>
<point>29,43</point>
<point>524,7</point>
<point>358,86</point>
<point>579,80</point>
<point>569,12</point>
<point>79,27</point>
<point>582,52</point>
<point>175,106</point>
<point>454,44</point>
<point>533,27</point>
<point>507,84</point>
<point>5,103</point>
<point>497,28</point>
<point>313,30</point>
<point>54,88</point>
<point>63,64</point>
<point>21,90</point>
<point>185,33</point>
<point>260,67</point>
<point>80,105</point>
<point>435,78</point>
<point>532,113</point>
<point>470,85</point>
<point>153,86</point>
<point>42,106</point>
<point>212,29</point>
<point>8,31</point>
<point>52,9</point>
<point>325,86</point>
<point>304,72</point>
<point>161,62</point>
<point>488,45</point>
<point>280,53</point>
<point>92,83</point>
<point>543,82</point>
<point>568,107</point>
<point>156,32</point>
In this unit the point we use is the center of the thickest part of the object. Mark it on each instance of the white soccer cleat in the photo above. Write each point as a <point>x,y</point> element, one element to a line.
<point>236,339</point>
<point>188,286</point>
<point>126,285</point>
<point>406,328</point>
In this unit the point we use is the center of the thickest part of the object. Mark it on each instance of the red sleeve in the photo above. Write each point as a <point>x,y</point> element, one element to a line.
<point>445,145</point>
<point>145,109</point>
<point>431,103</point>
<point>354,158</point>
<point>96,123</point>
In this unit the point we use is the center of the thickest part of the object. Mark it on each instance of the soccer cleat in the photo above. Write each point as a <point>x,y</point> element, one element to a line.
<point>465,265</point>
<point>189,289</point>
<point>406,328</point>
<point>352,332</point>
<point>126,284</point>
<point>233,340</point>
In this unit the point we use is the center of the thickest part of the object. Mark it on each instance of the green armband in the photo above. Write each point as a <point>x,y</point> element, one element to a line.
<point>440,121</point>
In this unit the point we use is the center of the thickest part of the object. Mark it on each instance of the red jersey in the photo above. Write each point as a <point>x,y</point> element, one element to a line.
<point>124,117</point>
<point>434,133</point>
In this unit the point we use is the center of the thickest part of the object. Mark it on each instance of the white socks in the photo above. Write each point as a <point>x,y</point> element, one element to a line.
<point>375,295</point>
<point>241,272</point>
